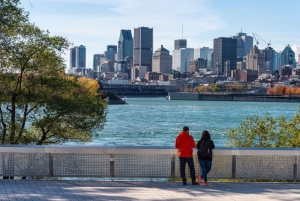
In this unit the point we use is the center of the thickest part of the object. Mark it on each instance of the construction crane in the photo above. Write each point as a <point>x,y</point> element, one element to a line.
<point>31,5</point>
<point>269,43</point>
<point>256,39</point>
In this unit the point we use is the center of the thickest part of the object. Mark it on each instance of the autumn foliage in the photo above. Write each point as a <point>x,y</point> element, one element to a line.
<point>284,90</point>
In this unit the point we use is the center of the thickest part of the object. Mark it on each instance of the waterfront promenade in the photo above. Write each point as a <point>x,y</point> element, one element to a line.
<point>144,190</point>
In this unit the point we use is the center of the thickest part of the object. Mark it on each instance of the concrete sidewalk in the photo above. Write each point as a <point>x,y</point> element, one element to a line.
<point>136,190</point>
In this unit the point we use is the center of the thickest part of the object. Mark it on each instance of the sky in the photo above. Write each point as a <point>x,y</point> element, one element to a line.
<point>97,23</point>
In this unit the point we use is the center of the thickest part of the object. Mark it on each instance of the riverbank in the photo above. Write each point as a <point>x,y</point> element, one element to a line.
<point>232,97</point>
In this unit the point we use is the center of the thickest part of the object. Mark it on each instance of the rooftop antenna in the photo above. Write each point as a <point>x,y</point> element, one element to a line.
<point>182,31</point>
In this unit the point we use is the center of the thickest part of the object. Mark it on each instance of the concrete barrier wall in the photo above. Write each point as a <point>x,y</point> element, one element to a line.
<point>232,97</point>
<point>184,96</point>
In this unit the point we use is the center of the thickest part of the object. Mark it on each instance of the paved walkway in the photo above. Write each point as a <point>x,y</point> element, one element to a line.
<point>135,190</point>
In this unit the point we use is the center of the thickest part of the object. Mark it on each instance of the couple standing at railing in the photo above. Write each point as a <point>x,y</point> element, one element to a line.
<point>185,144</point>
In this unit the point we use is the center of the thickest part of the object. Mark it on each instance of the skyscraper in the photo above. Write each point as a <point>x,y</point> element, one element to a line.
<point>202,52</point>
<point>180,43</point>
<point>256,61</point>
<point>244,44</point>
<point>162,61</point>
<point>78,57</point>
<point>125,45</point>
<point>288,56</point>
<point>181,59</point>
<point>97,61</point>
<point>110,53</point>
<point>72,57</point>
<point>143,47</point>
<point>225,54</point>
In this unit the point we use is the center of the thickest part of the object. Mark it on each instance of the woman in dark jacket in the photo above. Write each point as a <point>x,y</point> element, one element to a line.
<point>205,146</point>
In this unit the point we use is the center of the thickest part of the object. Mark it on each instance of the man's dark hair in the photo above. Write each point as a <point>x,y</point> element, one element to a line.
<point>185,128</point>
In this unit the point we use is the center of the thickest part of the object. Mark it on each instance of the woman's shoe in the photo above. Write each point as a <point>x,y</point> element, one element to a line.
<point>205,183</point>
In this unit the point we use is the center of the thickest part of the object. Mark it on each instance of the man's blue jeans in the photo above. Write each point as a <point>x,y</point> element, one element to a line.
<point>206,167</point>
<point>190,162</point>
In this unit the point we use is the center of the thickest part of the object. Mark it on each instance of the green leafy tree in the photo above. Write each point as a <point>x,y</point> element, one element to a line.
<point>266,132</point>
<point>39,104</point>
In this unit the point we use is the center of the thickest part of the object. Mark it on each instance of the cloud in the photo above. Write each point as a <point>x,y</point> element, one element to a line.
<point>296,49</point>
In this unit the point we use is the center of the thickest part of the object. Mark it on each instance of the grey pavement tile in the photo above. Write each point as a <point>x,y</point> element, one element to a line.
<point>155,191</point>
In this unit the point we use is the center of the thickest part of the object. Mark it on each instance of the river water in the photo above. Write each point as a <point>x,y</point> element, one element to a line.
<point>157,121</point>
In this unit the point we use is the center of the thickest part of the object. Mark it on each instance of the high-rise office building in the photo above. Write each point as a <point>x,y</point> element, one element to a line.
<point>225,55</point>
<point>97,61</point>
<point>111,48</point>
<point>180,43</point>
<point>202,52</point>
<point>181,59</point>
<point>143,47</point>
<point>255,60</point>
<point>244,44</point>
<point>110,53</point>
<point>162,61</point>
<point>269,56</point>
<point>288,56</point>
<point>125,45</point>
<point>78,57</point>
<point>72,57</point>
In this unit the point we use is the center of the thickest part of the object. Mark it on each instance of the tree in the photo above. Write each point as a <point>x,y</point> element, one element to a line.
<point>39,104</point>
<point>266,132</point>
<point>11,16</point>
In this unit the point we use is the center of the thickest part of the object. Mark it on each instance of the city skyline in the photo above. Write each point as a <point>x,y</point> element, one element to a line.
<point>97,23</point>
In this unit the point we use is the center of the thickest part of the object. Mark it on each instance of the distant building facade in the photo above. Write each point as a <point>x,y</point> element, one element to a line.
<point>97,61</point>
<point>162,61</point>
<point>143,47</point>
<point>110,53</point>
<point>78,57</point>
<point>255,61</point>
<point>181,59</point>
<point>125,45</point>
<point>224,55</point>
<point>180,43</point>
<point>202,52</point>
<point>285,71</point>
<point>288,56</point>
<point>197,64</point>
<point>244,44</point>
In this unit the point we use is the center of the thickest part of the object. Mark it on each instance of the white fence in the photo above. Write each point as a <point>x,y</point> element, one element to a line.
<point>144,162</point>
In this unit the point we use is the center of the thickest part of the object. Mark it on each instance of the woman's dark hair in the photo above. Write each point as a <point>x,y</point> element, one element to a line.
<point>205,135</point>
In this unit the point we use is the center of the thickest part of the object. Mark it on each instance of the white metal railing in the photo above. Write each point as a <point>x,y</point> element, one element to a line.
<point>145,162</point>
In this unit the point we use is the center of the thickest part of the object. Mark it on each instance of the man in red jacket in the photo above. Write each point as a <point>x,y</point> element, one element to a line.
<point>185,144</point>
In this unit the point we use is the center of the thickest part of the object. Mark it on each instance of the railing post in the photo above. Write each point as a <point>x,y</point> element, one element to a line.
<point>233,167</point>
<point>51,164</point>
<point>173,167</point>
<point>295,170</point>
<point>112,165</point>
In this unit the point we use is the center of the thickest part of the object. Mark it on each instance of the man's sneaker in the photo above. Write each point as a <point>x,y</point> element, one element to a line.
<point>184,183</point>
<point>194,183</point>
<point>205,183</point>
